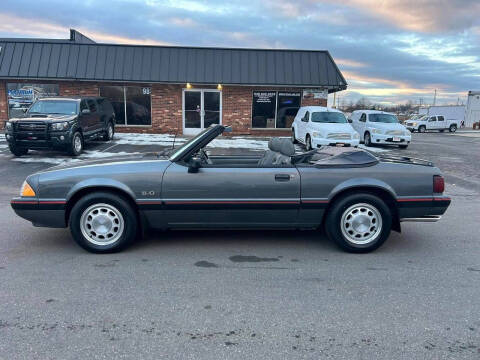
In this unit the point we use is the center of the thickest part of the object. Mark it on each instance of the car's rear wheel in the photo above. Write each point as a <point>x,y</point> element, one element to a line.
<point>358,223</point>
<point>294,139</point>
<point>308,142</point>
<point>452,128</point>
<point>109,132</point>
<point>76,147</point>
<point>103,222</point>
<point>17,151</point>
<point>422,129</point>
<point>442,130</point>
<point>367,139</point>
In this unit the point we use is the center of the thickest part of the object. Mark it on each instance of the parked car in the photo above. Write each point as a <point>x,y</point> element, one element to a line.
<point>357,197</point>
<point>432,123</point>
<point>316,126</point>
<point>61,123</point>
<point>379,127</point>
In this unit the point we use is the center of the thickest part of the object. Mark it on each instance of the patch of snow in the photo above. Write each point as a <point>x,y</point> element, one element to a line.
<point>372,148</point>
<point>147,139</point>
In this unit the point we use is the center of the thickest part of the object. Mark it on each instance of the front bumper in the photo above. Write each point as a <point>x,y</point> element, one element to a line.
<point>57,139</point>
<point>317,142</point>
<point>41,213</point>
<point>390,139</point>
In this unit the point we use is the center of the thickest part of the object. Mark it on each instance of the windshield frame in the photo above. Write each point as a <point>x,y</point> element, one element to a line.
<point>39,101</point>
<point>370,116</point>
<point>337,113</point>
<point>199,141</point>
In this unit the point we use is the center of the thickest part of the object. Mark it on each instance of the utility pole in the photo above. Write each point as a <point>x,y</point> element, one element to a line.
<point>435,97</point>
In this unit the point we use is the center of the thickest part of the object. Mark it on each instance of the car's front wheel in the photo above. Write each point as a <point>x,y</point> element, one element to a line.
<point>358,223</point>
<point>308,142</point>
<point>294,139</point>
<point>367,139</point>
<point>452,128</point>
<point>76,147</point>
<point>17,151</point>
<point>103,222</point>
<point>422,129</point>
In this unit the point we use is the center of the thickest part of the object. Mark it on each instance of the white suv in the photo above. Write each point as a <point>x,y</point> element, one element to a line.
<point>379,127</point>
<point>315,126</point>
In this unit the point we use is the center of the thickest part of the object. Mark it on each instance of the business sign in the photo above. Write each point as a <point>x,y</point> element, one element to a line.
<point>316,93</point>
<point>21,96</point>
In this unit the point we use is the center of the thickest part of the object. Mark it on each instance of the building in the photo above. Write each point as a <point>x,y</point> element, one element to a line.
<point>170,89</point>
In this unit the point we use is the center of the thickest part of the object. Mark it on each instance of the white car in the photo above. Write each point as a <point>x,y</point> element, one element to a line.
<point>379,127</point>
<point>317,126</point>
<point>431,123</point>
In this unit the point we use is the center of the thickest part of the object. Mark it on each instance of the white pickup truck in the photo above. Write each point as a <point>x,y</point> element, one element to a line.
<point>427,122</point>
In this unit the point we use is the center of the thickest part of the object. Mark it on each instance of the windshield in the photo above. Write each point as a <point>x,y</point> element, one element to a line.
<point>184,146</point>
<point>383,118</point>
<point>54,107</point>
<point>329,117</point>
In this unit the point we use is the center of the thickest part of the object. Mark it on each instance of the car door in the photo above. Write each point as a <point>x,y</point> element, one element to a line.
<point>362,124</point>
<point>304,124</point>
<point>222,196</point>
<point>83,118</point>
<point>432,123</point>
<point>94,123</point>
<point>441,123</point>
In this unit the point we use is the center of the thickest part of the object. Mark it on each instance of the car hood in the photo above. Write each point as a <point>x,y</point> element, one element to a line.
<point>385,126</point>
<point>107,161</point>
<point>47,118</point>
<point>333,128</point>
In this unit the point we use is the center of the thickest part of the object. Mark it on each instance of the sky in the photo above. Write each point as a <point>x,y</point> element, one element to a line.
<point>389,51</point>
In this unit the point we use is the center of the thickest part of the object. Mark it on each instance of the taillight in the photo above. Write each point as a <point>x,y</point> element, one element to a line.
<point>438,184</point>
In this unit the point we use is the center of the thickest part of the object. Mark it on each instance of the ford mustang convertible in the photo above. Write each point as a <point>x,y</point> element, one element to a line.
<point>356,197</point>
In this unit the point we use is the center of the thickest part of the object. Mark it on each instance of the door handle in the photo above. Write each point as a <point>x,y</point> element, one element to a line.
<point>282,177</point>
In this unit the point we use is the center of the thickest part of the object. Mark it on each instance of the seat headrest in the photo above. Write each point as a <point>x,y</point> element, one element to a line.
<point>286,147</point>
<point>274,144</point>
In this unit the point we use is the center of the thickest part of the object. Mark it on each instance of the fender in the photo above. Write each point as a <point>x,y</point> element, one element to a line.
<point>361,182</point>
<point>99,182</point>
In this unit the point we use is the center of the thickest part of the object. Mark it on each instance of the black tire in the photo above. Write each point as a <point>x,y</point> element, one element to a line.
<point>367,140</point>
<point>422,129</point>
<point>109,132</point>
<point>452,128</point>
<point>333,221</point>
<point>17,151</point>
<point>76,148</point>
<point>308,142</point>
<point>115,201</point>
<point>442,130</point>
<point>402,146</point>
<point>294,139</point>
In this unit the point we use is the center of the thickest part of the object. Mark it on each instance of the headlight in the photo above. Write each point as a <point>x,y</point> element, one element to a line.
<point>317,134</point>
<point>60,126</point>
<point>9,125</point>
<point>356,136</point>
<point>376,131</point>
<point>414,124</point>
<point>27,190</point>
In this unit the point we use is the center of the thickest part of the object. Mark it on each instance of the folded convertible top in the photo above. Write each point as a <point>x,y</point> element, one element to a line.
<point>336,157</point>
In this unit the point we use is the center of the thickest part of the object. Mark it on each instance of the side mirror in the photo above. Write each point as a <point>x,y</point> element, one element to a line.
<point>194,164</point>
<point>25,110</point>
<point>85,111</point>
<point>350,121</point>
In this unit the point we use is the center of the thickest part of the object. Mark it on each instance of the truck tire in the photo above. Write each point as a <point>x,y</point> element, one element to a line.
<point>422,129</point>
<point>109,132</point>
<point>17,151</point>
<point>452,128</point>
<point>76,146</point>
<point>103,222</point>
<point>358,223</point>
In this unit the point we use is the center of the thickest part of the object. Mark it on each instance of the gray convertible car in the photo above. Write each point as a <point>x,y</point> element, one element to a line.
<point>356,197</point>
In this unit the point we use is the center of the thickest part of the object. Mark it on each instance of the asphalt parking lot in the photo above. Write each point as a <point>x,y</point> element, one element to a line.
<point>245,294</point>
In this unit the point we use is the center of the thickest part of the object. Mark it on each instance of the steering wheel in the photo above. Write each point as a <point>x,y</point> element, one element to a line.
<point>204,157</point>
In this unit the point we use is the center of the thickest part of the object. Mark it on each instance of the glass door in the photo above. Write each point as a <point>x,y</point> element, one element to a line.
<point>201,108</point>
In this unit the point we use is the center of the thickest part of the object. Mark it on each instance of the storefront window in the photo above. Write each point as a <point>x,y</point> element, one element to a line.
<point>272,109</point>
<point>132,104</point>
<point>263,109</point>
<point>21,96</point>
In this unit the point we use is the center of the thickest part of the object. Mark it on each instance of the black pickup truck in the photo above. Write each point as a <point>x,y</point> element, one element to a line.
<point>63,123</point>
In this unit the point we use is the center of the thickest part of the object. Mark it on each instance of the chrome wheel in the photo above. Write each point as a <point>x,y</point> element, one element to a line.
<point>102,224</point>
<point>361,223</point>
<point>77,144</point>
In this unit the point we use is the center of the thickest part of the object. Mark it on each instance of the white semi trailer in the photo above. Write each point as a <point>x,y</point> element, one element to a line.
<point>451,113</point>
<point>472,112</point>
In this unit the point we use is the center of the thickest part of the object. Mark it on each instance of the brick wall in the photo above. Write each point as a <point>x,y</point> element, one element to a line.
<point>167,105</point>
